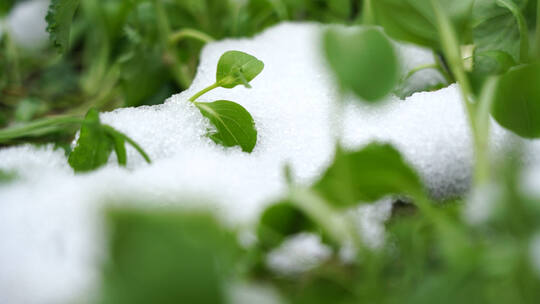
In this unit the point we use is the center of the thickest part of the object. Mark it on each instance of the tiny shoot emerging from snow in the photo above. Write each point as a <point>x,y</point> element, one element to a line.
<point>96,142</point>
<point>234,125</point>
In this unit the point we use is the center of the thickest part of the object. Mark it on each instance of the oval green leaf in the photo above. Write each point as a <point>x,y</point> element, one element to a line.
<point>366,175</point>
<point>93,146</point>
<point>516,105</point>
<point>234,125</point>
<point>364,61</point>
<point>235,68</point>
<point>59,18</point>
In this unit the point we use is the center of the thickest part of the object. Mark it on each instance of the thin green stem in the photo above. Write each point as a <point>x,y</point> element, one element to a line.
<point>130,141</point>
<point>189,33</point>
<point>320,212</point>
<point>203,91</point>
<point>452,52</point>
<point>368,16</point>
<point>419,68</point>
<point>523,29</point>
<point>482,127</point>
<point>179,71</point>
<point>37,126</point>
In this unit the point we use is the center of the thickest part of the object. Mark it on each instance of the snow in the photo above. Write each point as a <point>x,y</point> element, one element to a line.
<point>298,254</point>
<point>50,217</point>
<point>26,24</point>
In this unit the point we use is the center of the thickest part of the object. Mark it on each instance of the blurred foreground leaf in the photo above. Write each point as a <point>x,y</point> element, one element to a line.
<point>166,257</point>
<point>364,61</point>
<point>516,104</point>
<point>366,175</point>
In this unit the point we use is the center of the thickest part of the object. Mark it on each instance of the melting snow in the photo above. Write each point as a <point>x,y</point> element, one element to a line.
<point>49,217</point>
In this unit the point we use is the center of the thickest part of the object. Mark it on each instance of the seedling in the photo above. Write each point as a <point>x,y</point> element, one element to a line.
<point>96,142</point>
<point>234,125</point>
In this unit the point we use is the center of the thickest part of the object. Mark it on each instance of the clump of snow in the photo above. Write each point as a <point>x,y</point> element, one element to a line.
<point>49,217</point>
<point>297,254</point>
<point>26,24</point>
<point>370,219</point>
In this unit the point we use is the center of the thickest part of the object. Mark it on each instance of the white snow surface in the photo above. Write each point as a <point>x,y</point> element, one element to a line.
<point>49,217</point>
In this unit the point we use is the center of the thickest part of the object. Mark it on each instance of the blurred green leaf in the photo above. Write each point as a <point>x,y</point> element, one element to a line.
<point>29,108</point>
<point>364,61</point>
<point>5,6</point>
<point>516,104</point>
<point>486,64</point>
<point>496,28</point>
<point>7,176</point>
<point>366,175</point>
<point>235,68</point>
<point>93,146</point>
<point>234,125</point>
<point>166,257</point>
<point>59,20</point>
<point>414,20</point>
<point>279,221</point>
<point>143,74</point>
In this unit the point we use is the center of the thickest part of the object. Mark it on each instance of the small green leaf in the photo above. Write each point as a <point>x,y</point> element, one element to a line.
<point>234,125</point>
<point>414,20</point>
<point>93,146</point>
<point>516,105</point>
<point>120,149</point>
<point>366,175</point>
<point>235,68</point>
<point>59,20</point>
<point>166,257</point>
<point>364,61</point>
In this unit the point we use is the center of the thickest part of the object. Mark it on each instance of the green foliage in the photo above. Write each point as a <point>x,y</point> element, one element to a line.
<point>166,257</point>
<point>5,6</point>
<point>95,144</point>
<point>235,68</point>
<point>516,105</point>
<point>366,175</point>
<point>415,20</point>
<point>59,20</point>
<point>280,220</point>
<point>497,27</point>
<point>7,176</point>
<point>364,61</point>
<point>234,125</point>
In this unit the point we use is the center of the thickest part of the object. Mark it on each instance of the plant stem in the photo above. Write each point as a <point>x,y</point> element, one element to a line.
<point>368,17</point>
<point>320,212</point>
<point>189,33</point>
<point>452,52</point>
<point>482,128</point>
<point>424,67</point>
<point>179,71</point>
<point>203,91</point>
<point>523,30</point>
<point>37,126</point>
<point>130,141</point>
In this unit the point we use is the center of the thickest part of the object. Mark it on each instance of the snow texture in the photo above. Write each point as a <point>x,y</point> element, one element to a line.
<point>298,254</point>
<point>49,217</point>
